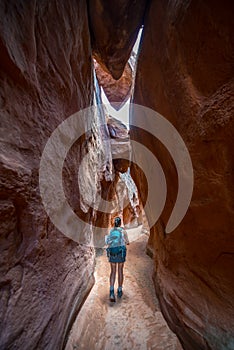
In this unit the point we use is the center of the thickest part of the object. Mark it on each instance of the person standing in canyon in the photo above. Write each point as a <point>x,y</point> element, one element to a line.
<point>116,252</point>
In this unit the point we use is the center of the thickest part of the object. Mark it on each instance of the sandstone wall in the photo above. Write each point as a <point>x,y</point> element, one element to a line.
<point>185,72</point>
<point>114,26</point>
<point>117,91</point>
<point>46,75</point>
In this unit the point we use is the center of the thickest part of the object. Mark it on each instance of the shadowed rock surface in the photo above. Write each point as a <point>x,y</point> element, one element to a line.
<point>44,276</point>
<point>185,72</point>
<point>114,26</point>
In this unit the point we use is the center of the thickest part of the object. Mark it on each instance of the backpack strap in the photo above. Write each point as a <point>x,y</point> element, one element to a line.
<point>122,236</point>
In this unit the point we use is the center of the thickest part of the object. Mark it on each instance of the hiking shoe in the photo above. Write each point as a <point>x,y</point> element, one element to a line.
<point>119,292</point>
<point>112,296</point>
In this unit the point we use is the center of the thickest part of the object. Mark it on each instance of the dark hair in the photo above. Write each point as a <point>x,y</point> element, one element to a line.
<point>117,222</point>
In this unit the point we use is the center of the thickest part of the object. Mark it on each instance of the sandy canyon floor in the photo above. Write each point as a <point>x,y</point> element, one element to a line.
<point>132,322</point>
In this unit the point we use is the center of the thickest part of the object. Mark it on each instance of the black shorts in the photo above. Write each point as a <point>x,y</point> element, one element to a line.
<point>117,254</point>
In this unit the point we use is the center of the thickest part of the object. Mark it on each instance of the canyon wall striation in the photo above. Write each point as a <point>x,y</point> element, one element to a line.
<point>46,75</point>
<point>185,72</point>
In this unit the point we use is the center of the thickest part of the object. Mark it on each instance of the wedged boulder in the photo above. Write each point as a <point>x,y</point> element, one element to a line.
<point>114,27</point>
<point>117,91</point>
<point>185,72</point>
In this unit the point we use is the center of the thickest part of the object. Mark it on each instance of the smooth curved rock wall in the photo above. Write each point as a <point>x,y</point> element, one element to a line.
<point>114,26</point>
<point>185,72</point>
<point>46,75</point>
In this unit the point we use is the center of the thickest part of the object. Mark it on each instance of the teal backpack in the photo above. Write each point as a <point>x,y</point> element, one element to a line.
<point>115,241</point>
<point>115,238</point>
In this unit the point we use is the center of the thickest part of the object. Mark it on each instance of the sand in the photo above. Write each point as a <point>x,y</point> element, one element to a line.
<point>132,322</point>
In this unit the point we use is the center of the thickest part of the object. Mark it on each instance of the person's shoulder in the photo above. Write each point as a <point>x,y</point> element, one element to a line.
<point>123,230</point>
<point>114,229</point>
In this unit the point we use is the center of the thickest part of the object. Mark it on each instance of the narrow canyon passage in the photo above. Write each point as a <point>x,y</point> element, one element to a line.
<point>133,322</point>
<point>66,161</point>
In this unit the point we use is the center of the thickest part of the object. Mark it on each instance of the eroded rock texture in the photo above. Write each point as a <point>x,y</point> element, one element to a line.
<point>46,75</point>
<point>120,144</point>
<point>114,27</point>
<point>127,201</point>
<point>185,72</point>
<point>119,191</point>
<point>117,91</point>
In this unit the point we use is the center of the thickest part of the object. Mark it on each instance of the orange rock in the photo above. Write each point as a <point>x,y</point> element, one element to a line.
<point>117,91</point>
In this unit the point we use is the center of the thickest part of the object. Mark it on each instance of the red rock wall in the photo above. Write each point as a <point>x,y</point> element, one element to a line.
<point>45,74</point>
<point>117,91</point>
<point>114,26</point>
<point>185,72</point>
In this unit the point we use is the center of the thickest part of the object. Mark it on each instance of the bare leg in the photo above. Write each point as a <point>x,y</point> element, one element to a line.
<point>112,274</point>
<point>120,274</point>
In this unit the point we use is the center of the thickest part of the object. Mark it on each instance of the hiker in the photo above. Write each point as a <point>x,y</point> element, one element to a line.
<point>116,251</point>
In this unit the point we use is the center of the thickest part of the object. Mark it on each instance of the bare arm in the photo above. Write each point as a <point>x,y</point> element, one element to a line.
<point>126,237</point>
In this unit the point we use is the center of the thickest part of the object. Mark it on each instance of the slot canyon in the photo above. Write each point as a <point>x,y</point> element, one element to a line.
<point>57,58</point>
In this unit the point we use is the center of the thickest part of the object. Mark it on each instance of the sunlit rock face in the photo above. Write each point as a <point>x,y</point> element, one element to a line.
<point>114,26</point>
<point>185,72</point>
<point>120,144</point>
<point>46,75</point>
<point>128,202</point>
<point>120,191</point>
<point>117,91</point>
